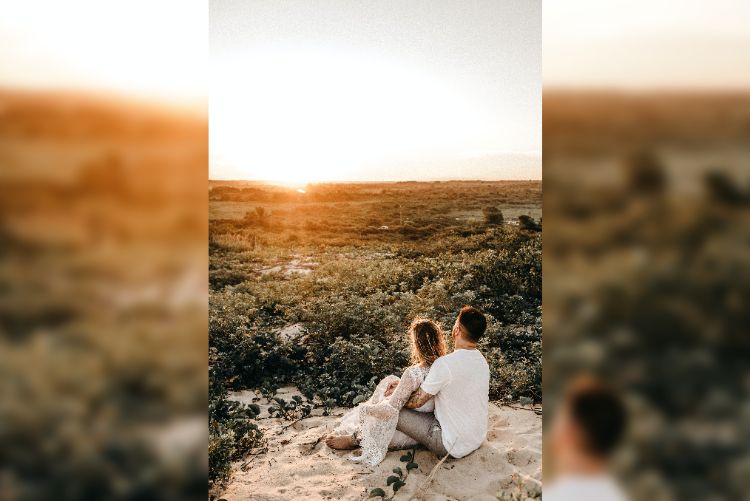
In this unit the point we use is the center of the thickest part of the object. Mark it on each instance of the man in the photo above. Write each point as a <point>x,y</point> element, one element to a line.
<point>459,382</point>
<point>586,431</point>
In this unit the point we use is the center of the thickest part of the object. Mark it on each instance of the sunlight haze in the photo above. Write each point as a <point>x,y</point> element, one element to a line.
<point>106,47</point>
<point>352,91</point>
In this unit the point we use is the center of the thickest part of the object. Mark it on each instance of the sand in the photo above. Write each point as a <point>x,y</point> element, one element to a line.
<point>296,466</point>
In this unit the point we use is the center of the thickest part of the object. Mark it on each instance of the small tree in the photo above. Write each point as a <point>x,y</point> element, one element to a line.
<point>722,188</point>
<point>259,216</point>
<point>528,223</point>
<point>493,216</point>
<point>646,173</point>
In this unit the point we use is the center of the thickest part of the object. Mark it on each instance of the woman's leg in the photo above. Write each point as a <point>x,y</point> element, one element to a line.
<point>345,436</point>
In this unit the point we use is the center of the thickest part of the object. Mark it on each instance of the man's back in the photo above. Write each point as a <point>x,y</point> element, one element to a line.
<point>460,382</point>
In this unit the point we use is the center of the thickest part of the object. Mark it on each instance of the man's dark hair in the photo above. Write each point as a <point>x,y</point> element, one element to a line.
<point>600,415</point>
<point>473,322</point>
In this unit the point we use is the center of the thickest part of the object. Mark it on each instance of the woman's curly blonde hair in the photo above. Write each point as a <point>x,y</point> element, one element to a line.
<point>427,341</point>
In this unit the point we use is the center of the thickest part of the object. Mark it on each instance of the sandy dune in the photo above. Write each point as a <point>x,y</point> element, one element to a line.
<point>296,466</point>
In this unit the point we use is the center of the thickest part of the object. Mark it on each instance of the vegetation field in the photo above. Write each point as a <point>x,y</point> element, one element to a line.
<point>316,286</point>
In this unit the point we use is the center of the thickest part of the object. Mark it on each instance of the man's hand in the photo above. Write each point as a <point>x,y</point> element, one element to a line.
<point>417,399</point>
<point>391,388</point>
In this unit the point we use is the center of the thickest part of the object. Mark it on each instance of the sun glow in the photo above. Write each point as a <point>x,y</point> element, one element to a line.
<point>298,116</point>
<point>88,45</point>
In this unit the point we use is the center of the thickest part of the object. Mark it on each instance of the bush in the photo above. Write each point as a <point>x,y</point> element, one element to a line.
<point>344,371</point>
<point>646,174</point>
<point>528,223</point>
<point>723,189</point>
<point>231,430</point>
<point>493,216</point>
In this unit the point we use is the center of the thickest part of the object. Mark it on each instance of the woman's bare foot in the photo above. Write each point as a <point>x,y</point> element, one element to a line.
<point>341,442</point>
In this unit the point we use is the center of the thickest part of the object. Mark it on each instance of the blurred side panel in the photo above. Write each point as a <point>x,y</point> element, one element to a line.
<point>647,277</point>
<point>103,298</point>
<point>103,268</point>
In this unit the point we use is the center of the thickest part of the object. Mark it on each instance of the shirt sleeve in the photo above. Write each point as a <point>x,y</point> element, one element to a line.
<point>438,377</point>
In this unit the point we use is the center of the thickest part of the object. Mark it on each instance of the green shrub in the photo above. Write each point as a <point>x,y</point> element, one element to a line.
<point>528,223</point>
<point>493,216</point>
<point>231,430</point>
<point>346,370</point>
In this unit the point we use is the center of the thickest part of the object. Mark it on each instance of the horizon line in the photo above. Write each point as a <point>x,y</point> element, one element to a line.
<point>646,90</point>
<point>433,180</point>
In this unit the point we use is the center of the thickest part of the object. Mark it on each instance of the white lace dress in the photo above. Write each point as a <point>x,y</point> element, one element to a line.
<point>374,421</point>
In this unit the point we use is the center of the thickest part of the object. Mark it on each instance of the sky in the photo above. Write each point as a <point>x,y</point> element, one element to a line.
<point>157,50</point>
<point>647,44</point>
<point>306,91</point>
<point>358,90</point>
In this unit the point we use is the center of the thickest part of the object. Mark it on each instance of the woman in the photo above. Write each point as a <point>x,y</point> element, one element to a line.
<point>372,424</point>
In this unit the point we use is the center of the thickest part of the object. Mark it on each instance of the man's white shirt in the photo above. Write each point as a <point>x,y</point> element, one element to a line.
<point>460,382</point>
<point>583,488</point>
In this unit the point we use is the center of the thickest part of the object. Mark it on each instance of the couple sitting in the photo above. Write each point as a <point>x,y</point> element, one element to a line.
<point>440,402</point>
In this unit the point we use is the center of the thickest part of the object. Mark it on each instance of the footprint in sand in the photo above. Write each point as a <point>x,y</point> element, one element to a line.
<point>310,422</point>
<point>309,448</point>
<point>520,457</point>
<point>501,435</point>
<point>500,422</point>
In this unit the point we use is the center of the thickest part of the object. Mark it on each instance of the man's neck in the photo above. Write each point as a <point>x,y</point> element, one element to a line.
<point>580,464</point>
<point>462,344</point>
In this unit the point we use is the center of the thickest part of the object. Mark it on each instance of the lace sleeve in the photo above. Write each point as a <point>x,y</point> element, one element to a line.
<point>377,420</point>
<point>410,381</point>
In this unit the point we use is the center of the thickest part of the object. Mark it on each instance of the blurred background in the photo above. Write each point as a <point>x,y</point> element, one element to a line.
<point>647,208</point>
<point>103,224</point>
